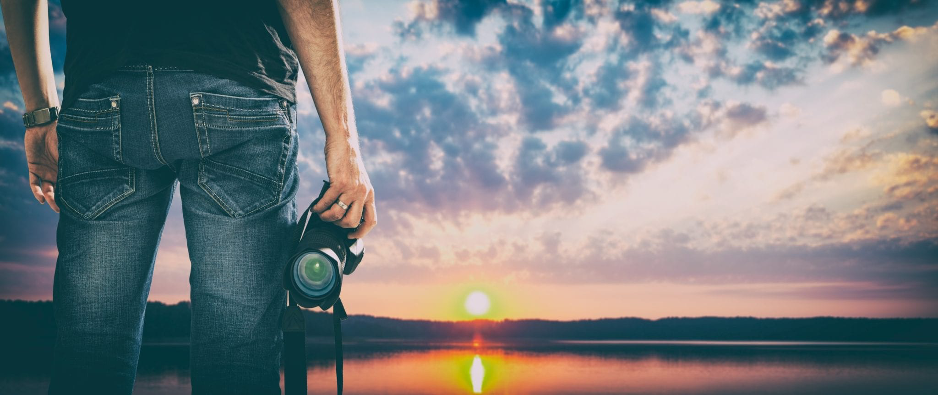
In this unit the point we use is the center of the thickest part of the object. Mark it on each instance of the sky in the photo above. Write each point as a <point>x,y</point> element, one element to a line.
<point>589,159</point>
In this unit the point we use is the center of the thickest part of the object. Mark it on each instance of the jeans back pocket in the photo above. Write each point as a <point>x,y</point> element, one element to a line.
<point>244,142</point>
<point>92,177</point>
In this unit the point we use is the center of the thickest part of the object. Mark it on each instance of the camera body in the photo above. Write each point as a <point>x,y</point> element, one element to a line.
<point>322,255</point>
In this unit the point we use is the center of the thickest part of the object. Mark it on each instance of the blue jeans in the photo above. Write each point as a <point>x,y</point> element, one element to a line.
<point>122,147</point>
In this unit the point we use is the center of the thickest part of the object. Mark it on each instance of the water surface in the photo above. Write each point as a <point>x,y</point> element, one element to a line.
<point>619,367</point>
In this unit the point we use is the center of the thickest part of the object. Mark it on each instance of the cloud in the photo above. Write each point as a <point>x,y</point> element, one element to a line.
<point>461,16</point>
<point>10,106</point>
<point>846,161</point>
<point>608,85</point>
<point>742,116</point>
<point>705,7</point>
<point>644,31</point>
<point>640,142</point>
<point>930,117</point>
<point>438,151</point>
<point>765,74</point>
<point>855,50</point>
<point>789,110</point>
<point>356,57</point>
<point>843,161</point>
<point>570,151</point>
<point>906,267</point>
<point>890,98</point>
<point>910,177</point>
<point>839,9</point>
<point>543,177</point>
<point>394,116</point>
<point>730,118</point>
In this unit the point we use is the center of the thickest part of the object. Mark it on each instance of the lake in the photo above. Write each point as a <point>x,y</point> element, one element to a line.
<point>610,367</point>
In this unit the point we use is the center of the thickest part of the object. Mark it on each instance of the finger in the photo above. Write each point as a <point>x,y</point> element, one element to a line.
<point>371,219</point>
<point>48,190</point>
<point>353,215</point>
<point>35,185</point>
<point>334,212</point>
<point>328,198</point>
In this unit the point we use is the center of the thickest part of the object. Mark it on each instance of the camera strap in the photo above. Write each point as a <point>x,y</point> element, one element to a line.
<point>339,314</point>
<point>294,327</point>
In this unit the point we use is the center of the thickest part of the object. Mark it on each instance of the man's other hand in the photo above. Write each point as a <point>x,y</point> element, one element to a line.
<point>42,158</point>
<point>349,184</point>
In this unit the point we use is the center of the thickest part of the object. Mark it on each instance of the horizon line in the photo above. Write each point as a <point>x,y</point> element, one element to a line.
<point>312,310</point>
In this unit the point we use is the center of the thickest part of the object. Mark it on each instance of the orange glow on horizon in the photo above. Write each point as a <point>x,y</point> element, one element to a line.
<point>445,302</point>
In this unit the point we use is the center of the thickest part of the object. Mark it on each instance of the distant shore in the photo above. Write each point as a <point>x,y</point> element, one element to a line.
<point>30,322</point>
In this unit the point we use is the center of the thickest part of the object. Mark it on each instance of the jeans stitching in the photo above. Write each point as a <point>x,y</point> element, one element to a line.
<point>282,167</point>
<point>92,111</point>
<point>205,188</point>
<point>151,103</point>
<point>267,115</point>
<point>236,168</point>
<point>273,201</point>
<point>116,135</point>
<point>131,183</point>
<point>200,128</point>
<point>231,212</point>
<point>286,113</point>
<point>87,172</point>
<point>223,108</point>
<point>97,120</point>
<point>133,187</point>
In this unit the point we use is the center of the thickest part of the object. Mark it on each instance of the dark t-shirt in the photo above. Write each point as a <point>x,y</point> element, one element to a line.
<point>240,40</point>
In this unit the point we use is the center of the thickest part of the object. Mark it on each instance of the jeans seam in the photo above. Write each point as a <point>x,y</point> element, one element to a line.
<point>288,141</point>
<point>69,177</point>
<point>195,120</point>
<point>151,102</point>
<point>282,166</point>
<point>116,137</point>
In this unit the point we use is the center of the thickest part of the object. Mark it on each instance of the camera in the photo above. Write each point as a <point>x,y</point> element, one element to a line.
<point>323,254</point>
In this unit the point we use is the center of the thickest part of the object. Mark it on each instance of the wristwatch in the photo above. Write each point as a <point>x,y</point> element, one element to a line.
<point>42,116</point>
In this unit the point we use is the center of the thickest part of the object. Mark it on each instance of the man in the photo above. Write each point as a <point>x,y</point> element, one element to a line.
<point>199,92</point>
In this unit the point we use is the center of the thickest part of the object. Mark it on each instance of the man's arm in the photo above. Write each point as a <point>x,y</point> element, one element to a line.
<point>27,28</point>
<point>315,31</point>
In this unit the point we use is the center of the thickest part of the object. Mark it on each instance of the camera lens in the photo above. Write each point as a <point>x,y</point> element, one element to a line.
<point>315,274</point>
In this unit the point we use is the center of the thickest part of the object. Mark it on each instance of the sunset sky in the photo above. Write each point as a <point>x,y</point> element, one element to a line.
<point>591,159</point>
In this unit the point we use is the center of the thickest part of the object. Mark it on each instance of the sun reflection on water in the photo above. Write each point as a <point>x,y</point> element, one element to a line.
<point>477,372</point>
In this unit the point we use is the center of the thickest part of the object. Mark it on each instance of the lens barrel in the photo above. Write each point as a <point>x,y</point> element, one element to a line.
<point>315,273</point>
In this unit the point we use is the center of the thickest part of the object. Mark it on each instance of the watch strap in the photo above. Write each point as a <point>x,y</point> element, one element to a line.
<point>42,116</point>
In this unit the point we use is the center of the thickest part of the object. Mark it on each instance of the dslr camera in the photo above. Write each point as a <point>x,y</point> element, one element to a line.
<point>323,254</point>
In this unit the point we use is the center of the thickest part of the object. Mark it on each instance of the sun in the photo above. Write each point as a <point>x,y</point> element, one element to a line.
<point>477,303</point>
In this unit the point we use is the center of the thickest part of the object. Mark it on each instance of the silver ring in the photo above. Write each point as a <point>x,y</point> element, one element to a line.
<point>341,204</point>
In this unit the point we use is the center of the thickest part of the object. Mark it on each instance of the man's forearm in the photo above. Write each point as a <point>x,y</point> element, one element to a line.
<point>315,31</point>
<point>27,28</point>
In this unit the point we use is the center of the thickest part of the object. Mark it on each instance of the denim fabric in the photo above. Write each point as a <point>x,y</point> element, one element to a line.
<point>123,146</point>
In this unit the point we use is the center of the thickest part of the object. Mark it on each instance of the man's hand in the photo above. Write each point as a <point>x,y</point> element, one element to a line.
<point>348,183</point>
<point>315,33</point>
<point>42,159</point>
<point>27,31</point>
